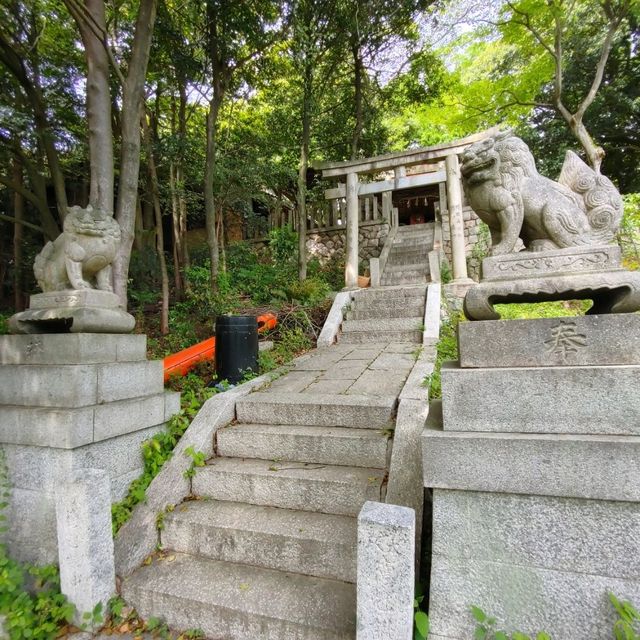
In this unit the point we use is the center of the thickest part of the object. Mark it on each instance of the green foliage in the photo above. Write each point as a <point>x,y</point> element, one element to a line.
<point>627,626</point>
<point>420,618</point>
<point>158,449</point>
<point>293,341</point>
<point>447,349</point>
<point>445,272</point>
<point>4,324</point>
<point>486,629</point>
<point>629,233</point>
<point>528,310</point>
<point>481,247</point>
<point>283,244</point>
<point>197,460</point>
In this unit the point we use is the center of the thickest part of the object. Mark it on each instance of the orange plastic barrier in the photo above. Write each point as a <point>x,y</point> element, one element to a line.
<point>182,362</point>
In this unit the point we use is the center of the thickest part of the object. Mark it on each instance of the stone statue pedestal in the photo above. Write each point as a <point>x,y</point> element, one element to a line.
<point>576,273</point>
<point>533,457</point>
<point>73,311</point>
<point>69,402</point>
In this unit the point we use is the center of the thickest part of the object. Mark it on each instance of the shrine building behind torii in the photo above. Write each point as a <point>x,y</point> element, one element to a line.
<point>415,186</point>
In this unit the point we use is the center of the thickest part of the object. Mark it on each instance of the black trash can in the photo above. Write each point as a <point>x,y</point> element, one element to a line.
<point>236,347</point>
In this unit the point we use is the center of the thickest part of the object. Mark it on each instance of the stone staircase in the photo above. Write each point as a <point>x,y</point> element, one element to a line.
<point>393,314</point>
<point>408,261</point>
<point>267,547</point>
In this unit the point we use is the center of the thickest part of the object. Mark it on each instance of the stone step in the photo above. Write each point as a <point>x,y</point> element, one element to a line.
<point>315,544</point>
<point>407,257</point>
<point>302,443</point>
<point>405,272</point>
<point>242,602</point>
<point>414,228</point>
<point>392,293</point>
<point>412,242</point>
<point>413,267</point>
<point>289,485</point>
<point>364,337</point>
<point>383,324</point>
<point>409,276</point>
<point>323,410</point>
<point>412,307</point>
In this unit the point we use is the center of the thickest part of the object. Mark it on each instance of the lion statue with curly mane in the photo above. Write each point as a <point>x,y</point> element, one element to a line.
<point>81,256</point>
<point>504,188</point>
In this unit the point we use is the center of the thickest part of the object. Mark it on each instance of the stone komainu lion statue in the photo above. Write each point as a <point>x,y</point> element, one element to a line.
<point>81,256</point>
<point>504,188</point>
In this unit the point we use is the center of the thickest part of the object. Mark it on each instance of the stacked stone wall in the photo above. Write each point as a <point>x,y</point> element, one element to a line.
<point>329,244</point>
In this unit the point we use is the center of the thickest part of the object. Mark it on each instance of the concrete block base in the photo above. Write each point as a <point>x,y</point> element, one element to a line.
<point>536,563</point>
<point>72,402</point>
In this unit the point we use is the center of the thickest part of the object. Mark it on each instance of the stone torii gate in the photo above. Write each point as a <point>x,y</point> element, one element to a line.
<point>447,175</point>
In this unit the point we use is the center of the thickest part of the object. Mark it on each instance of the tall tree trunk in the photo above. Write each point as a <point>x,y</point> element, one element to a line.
<point>302,171</point>
<point>93,30</point>
<point>18,213</point>
<point>221,240</point>
<point>358,74</point>
<point>132,101</point>
<point>138,240</point>
<point>182,202</point>
<point>175,231</point>
<point>155,198</point>
<point>209,199</point>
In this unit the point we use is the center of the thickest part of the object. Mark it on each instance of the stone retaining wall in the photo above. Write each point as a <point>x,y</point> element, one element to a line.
<point>327,244</point>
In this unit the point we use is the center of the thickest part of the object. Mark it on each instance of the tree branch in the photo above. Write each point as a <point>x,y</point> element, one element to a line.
<point>24,223</point>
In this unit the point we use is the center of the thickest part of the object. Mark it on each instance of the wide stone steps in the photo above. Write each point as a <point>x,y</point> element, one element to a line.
<point>414,267</point>
<point>230,601</point>
<point>405,277</point>
<point>315,544</point>
<point>303,443</point>
<point>320,488</point>
<point>388,324</point>
<point>363,337</point>
<point>408,256</point>
<point>324,410</point>
<point>381,296</point>
<point>410,307</point>
<point>413,242</point>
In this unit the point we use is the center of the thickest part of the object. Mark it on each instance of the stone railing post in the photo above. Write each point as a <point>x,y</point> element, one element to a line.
<point>386,572</point>
<point>85,540</point>
<point>351,266</point>
<point>456,222</point>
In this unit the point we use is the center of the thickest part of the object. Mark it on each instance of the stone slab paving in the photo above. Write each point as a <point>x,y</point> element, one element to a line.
<point>368,369</point>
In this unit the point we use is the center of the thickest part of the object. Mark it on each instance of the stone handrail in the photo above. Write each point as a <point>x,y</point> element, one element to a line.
<point>377,265</point>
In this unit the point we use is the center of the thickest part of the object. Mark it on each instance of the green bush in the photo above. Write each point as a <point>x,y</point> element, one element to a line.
<point>4,324</point>
<point>629,233</point>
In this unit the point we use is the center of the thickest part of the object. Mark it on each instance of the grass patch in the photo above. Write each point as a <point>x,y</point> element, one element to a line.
<point>531,310</point>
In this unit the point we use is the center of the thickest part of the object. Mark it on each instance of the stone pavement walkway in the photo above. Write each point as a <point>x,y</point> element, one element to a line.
<point>378,369</point>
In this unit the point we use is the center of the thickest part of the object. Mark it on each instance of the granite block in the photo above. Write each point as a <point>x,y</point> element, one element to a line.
<point>85,541</point>
<point>566,399</point>
<point>386,546</point>
<point>577,466</point>
<point>608,339</point>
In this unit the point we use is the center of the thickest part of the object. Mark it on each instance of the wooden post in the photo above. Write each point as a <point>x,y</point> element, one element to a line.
<point>456,222</point>
<point>353,210</point>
